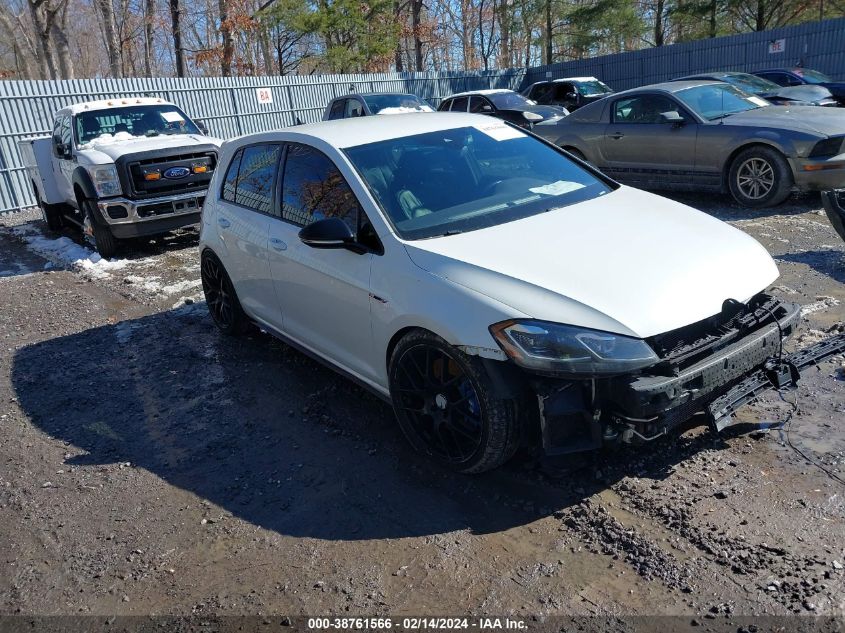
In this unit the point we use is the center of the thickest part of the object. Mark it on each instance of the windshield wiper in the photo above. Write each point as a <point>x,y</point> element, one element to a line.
<point>448,233</point>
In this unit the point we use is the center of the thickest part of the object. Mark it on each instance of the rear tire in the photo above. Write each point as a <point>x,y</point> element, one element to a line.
<point>105,242</point>
<point>220,296</point>
<point>760,177</point>
<point>447,407</point>
<point>52,213</point>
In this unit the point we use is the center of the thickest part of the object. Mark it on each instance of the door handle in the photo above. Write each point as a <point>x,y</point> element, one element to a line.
<point>278,245</point>
<point>616,136</point>
<point>223,222</point>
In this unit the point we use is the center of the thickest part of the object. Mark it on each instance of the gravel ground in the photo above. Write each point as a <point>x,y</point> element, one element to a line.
<point>151,466</point>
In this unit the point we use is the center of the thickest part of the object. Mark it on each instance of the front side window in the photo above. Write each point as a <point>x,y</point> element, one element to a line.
<point>468,178</point>
<point>643,109</point>
<point>540,93</point>
<point>476,104</point>
<point>563,92</point>
<point>460,104</point>
<point>313,189</point>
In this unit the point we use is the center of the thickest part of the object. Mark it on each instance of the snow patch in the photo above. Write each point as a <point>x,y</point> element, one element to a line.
<point>405,110</point>
<point>821,303</point>
<point>63,251</point>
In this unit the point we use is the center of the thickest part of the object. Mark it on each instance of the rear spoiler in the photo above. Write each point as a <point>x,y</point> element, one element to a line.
<point>834,206</point>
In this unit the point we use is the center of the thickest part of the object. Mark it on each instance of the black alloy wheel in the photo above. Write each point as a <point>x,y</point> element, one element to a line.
<point>220,297</point>
<point>446,406</point>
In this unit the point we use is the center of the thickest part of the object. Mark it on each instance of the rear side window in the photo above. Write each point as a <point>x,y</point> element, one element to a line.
<point>445,106</point>
<point>337,109</point>
<point>257,176</point>
<point>353,108</point>
<point>314,188</point>
<point>231,181</point>
<point>251,177</point>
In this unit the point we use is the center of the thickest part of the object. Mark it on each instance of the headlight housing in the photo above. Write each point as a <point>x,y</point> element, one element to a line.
<point>828,147</point>
<point>105,179</point>
<point>556,348</point>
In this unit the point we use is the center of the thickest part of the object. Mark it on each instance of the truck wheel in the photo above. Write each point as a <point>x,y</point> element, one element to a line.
<point>52,213</point>
<point>760,177</point>
<point>105,242</point>
<point>447,407</point>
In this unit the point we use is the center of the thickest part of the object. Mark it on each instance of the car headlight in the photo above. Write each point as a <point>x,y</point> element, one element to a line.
<point>552,347</point>
<point>532,116</point>
<point>105,179</point>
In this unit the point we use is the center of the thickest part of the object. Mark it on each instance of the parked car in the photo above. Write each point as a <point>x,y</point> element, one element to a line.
<point>777,95</point>
<point>834,206</point>
<point>710,136</point>
<point>121,168</point>
<point>356,105</point>
<point>570,93</point>
<point>802,77</point>
<point>496,291</point>
<point>502,104</point>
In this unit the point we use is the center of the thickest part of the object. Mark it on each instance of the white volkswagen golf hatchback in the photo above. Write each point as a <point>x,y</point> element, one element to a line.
<point>495,290</point>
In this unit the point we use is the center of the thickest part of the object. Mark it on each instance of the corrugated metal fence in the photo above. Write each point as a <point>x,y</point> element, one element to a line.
<point>818,45</point>
<point>229,106</point>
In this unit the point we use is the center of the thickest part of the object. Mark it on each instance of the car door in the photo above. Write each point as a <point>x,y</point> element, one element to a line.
<point>243,224</point>
<point>64,162</point>
<point>323,294</point>
<point>638,147</point>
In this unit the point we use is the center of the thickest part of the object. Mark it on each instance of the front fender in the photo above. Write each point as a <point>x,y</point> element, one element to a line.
<point>82,180</point>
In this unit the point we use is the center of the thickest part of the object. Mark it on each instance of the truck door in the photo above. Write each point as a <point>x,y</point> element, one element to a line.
<point>63,161</point>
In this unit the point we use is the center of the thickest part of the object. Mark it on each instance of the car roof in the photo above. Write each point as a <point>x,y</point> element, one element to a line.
<point>670,86</point>
<point>343,133</point>
<point>375,94</point>
<point>486,91</point>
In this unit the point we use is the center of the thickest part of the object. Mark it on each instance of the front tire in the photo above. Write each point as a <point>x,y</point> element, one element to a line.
<point>220,296</point>
<point>760,177</point>
<point>105,242</point>
<point>447,407</point>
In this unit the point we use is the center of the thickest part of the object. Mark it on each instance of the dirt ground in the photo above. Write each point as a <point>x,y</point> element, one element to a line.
<point>153,466</point>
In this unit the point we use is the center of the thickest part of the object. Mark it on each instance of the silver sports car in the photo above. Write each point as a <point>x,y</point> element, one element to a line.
<point>707,135</point>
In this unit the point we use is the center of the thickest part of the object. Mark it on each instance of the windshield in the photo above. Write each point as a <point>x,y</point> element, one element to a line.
<point>463,179</point>
<point>140,120</point>
<point>813,76</point>
<point>715,101</point>
<point>751,83</point>
<point>593,88</point>
<point>392,104</point>
<point>507,100</point>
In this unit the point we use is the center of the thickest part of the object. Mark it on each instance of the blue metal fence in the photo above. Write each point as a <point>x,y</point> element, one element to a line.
<point>818,45</point>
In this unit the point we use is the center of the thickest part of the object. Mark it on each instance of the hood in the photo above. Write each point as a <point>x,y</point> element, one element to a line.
<point>628,262</point>
<point>107,149</point>
<point>823,121</point>
<point>806,92</point>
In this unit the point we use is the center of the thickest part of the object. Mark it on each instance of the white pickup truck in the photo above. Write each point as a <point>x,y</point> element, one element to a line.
<point>121,168</point>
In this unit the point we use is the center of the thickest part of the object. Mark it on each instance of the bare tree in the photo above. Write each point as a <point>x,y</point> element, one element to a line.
<point>105,10</point>
<point>176,30</point>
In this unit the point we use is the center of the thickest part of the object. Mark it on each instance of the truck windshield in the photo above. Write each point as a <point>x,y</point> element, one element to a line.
<point>138,120</point>
<point>464,179</point>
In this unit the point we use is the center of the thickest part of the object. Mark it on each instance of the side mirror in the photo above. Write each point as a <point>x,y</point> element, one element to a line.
<point>486,108</point>
<point>202,127</point>
<point>330,233</point>
<point>62,150</point>
<point>672,117</point>
<point>572,95</point>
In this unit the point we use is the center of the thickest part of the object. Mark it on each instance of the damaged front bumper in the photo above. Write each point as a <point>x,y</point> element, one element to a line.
<point>834,205</point>
<point>724,365</point>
